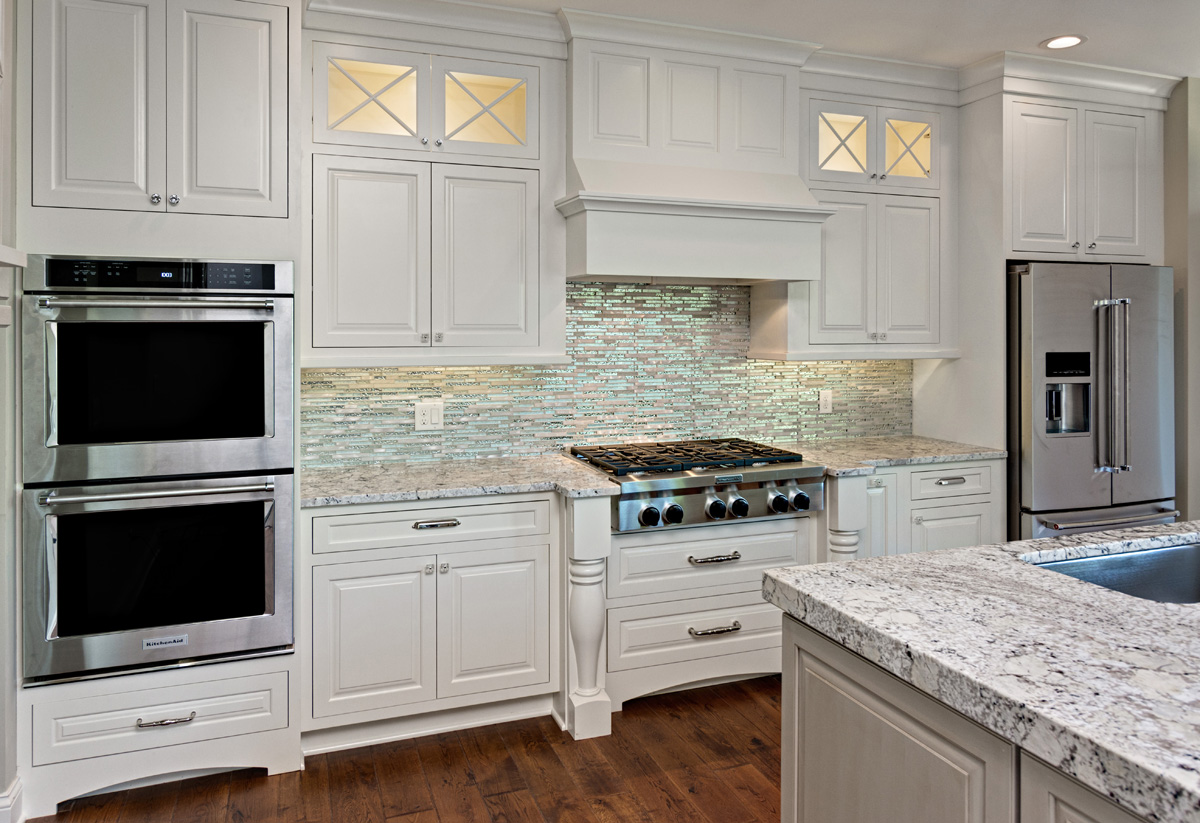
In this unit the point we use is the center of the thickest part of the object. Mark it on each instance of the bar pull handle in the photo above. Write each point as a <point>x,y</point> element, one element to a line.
<point>720,558</point>
<point>1124,464</point>
<point>53,498</point>
<point>448,523</point>
<point>733,627</point>
<point>170,721</point>
<point>950,481</point>
<point>1132,520</point>
<point>64,303</point>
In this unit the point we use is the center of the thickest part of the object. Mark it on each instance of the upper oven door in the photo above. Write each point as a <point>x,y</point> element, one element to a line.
<point>136,386</point>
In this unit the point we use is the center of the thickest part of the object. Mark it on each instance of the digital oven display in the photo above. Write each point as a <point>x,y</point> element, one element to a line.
<point>159,274</point>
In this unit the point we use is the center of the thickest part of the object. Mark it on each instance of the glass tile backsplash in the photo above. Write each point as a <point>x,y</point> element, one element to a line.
<point>649,363</point>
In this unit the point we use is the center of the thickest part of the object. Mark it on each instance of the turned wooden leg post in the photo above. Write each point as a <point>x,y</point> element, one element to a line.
<point>843,545</point>
<point>587,709</point>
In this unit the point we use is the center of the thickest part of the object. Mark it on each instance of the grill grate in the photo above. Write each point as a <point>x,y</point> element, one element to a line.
<point>681,455</point>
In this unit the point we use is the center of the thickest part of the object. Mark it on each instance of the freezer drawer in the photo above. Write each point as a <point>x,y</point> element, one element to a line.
<point>1057,524</point>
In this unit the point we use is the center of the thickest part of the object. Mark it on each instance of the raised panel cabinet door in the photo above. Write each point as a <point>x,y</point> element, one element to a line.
<point>227,74</point>
<point>1045,187</point>
<point>761,119</point>
<point>485,256</point>
<point>908,269</point>
<point>840,142</point>
<point>374,637</point>
<point>907,148</point>
<point>485,108</point>
<point>842,303</point>
<point>860,745</point>
<point>99,120</point>
<point>1114,183</point>
<point>370,252</point>
<point>880,537</point>
<point>1049,796</point>
<point>493,619</point>
<point>952,527</point>
<point>371,97</point>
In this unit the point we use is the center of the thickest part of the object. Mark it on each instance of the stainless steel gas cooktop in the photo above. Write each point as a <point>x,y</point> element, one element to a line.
<point>698,482</point>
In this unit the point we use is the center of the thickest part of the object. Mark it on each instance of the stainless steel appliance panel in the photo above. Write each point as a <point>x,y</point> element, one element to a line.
<point>1147,409</point>
<point>1058,524</point>
<point>1060,363</point>
<point>113,627</point>
<point>47,318</point>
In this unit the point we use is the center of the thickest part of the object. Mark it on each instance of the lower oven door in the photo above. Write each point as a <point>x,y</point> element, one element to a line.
<point>151,574</point>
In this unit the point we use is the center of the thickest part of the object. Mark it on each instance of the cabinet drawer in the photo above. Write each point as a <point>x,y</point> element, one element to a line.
<point>419,527</point>
<point>951,482</point>
<point>108,724</point>
<point>676,560</point>
<point>657,633</point>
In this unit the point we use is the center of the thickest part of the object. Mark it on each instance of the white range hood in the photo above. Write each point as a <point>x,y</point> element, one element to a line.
<point>683,165</point>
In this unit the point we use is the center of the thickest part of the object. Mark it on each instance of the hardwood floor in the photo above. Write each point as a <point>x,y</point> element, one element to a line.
<point>707,755</point>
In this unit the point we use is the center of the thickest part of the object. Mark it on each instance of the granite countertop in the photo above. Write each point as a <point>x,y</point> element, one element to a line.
<point>851,456</point>
<point>1102,685</point>
<point>390,482</point>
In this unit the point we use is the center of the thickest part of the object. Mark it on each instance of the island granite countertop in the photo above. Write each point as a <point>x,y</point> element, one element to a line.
<point>389,482</point>
<point>1104,686</point>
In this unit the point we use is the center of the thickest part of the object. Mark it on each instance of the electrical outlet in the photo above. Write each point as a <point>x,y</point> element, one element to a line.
<point>429,415</point>
<point>825,401</point>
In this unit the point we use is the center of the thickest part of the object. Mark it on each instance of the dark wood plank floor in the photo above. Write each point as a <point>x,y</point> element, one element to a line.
<point>708,755</point>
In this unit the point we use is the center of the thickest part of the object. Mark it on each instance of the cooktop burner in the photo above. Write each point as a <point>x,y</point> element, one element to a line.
<point>682,455</point>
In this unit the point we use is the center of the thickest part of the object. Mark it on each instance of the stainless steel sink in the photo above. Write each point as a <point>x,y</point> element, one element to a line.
<point>1170,575</point>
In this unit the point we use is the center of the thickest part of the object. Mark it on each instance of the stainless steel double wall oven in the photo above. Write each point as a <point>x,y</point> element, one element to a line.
<point>156,455</point>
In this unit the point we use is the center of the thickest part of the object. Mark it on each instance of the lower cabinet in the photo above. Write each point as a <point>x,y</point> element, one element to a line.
<point>1049,796</point>
<point>417,621</point>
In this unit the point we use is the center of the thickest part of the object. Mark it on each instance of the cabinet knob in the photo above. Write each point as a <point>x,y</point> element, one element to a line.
<point>873,336</point>
<point>1091,245</point>
<point>1075,245</point>
<point>425,337</point>
<point>445,567</point>
<point>156,199</point>
<point>424,141</point>
<point>918,520</point>
<point>173,200</point>
<point>877,483</point>
<point>428,568</point>
<point>438,337</point>
<point>437,142</point>
<point>883,336</point>
<point>883,177</point>
<point>873,176</point>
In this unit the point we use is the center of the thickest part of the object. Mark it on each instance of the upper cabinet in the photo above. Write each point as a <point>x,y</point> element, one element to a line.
<point>881,146</point>
<point>1084,182</point>
<point>421,102</point>
<point>161,105</point>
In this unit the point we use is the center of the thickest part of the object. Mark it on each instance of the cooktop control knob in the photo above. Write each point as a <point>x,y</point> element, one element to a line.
<point>738,507</point>
<point>716,509</point>
<point>648,516</point>
<point>779,504</point>
<point>800,501</point>
<point>673,514</point>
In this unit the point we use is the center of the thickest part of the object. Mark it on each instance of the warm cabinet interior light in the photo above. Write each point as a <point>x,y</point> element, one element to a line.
<point>1063,41</point>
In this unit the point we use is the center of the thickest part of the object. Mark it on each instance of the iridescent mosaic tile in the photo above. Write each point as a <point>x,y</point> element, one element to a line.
<point>649,363</point>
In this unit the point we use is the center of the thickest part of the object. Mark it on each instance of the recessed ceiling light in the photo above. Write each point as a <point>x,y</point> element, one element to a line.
<point>1063,41</point>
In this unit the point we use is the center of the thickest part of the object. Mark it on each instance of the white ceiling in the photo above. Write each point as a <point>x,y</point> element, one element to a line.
<point>1160,36</point>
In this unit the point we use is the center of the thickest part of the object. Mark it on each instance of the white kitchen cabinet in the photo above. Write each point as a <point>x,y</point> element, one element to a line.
<point>1081,182</point>
<point>409,255</point>
<point>421,608</point>
<point>859,744</point>
<point>405,100</point>
<point>880,285</point>
<point>916,508</point>
<point>1049,796</point>
<point>850,142</point>
<point>161,105</point>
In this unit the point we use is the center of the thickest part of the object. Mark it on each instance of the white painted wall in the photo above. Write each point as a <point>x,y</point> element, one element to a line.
<point>963,399</point>
<point>8,689</point>
<point>1182,212</point>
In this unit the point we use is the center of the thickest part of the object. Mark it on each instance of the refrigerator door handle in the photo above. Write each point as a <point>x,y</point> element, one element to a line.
<point>1123,305</point>
<point>1116,399</point>
<point>1132,520</point>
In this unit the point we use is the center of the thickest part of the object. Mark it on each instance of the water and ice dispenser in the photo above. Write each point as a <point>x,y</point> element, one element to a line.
<point>1069,403</point>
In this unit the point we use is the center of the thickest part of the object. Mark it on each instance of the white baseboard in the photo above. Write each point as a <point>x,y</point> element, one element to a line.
<point>10,804</point>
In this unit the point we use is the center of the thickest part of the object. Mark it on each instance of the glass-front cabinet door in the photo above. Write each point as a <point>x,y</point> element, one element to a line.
<point>872,145</point>
<point>401,100</point>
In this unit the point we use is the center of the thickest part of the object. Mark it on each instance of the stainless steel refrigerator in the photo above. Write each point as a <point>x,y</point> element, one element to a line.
<point>1091,397</point>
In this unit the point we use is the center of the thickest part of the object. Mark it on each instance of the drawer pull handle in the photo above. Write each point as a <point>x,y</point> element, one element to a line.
<point>170,721</point>
<point>720,558</point>
<point>951,481</point>
<point>733,627</point>
<point>437,524</point>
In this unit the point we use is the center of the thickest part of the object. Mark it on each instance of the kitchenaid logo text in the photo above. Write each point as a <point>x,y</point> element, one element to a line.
<point>159,642</point>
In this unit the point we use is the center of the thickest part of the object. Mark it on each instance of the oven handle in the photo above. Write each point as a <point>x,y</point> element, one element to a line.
<point>63,303</point>
<point>52,498</point>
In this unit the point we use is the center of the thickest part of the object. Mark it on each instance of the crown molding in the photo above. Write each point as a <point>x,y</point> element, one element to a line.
<point>443,21</point>
<point>635,31</point>
<point>893,79</point>
<point>1034,75</point>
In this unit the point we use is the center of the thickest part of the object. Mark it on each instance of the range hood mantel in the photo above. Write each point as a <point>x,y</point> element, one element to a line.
<point>684,157</point>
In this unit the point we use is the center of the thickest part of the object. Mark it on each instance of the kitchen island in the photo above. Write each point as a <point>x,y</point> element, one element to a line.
<point>1101,686</point>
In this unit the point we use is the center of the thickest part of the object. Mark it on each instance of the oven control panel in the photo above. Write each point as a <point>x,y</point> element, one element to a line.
<point>718,503</point>
<point>188,275</point>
